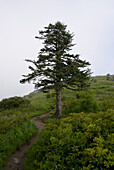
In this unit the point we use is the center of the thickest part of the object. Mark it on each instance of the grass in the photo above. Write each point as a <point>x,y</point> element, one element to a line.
<point>12,120</point>
<point>104,90</point>
<point>49,155</point>
<point>14,138</point>
<point>16,128</point>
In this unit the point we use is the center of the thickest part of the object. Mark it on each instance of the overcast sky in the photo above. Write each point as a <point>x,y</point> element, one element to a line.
<point>92,22</point>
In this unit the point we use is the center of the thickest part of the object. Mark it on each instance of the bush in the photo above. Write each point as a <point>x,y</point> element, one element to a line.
<point>86,103</point>
<point>80,142</point>
<point>13,102</point>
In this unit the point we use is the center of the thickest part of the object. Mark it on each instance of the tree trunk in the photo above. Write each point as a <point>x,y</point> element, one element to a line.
<point>58,112</point>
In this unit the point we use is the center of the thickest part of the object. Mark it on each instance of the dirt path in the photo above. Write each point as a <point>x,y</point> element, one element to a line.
<point>16,160</point>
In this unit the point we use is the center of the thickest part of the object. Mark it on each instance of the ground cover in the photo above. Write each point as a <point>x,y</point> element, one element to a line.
<point>80,140</point>
<point>16,128</point>
<point>99,99</point>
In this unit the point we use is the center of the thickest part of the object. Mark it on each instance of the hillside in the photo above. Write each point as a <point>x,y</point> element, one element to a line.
<point>92,112</point>
<point>101,88</point>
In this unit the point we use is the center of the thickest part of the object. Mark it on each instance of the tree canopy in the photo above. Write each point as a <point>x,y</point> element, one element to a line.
<point>55,67</point>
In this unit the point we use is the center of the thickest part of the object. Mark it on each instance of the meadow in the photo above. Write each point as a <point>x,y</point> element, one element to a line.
<point>81,139</point>
<point>16,128</point>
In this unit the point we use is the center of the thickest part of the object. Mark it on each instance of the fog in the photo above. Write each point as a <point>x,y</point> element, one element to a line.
<point>91,21</point>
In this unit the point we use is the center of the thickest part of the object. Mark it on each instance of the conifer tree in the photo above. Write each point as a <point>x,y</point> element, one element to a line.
<point>55,68</point>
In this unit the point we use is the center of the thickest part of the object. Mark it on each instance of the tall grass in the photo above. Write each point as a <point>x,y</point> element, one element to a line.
<point>14,138</point>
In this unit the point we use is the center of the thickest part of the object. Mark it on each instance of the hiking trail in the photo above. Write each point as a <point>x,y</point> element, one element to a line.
<point>16,160</point>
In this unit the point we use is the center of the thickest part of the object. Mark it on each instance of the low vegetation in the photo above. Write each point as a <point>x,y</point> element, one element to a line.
<point>84,138</point>
<point>14,138</point>
<point>83,102</point>
<point>81,139</point>
<point>16,128</point>
<point>13,102</point>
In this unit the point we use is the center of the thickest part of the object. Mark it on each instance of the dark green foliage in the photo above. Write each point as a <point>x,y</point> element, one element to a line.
<point>55,67</point>
<point>14,138</point>
<point>13,102</point>
<point>8,123</point>
<point>108,76</point>
<point>105,105</point>
<point>80,141</point>
<point>94,80</point>
<point>86,102</point>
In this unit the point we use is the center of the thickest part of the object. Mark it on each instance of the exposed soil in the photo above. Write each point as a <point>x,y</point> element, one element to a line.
<point>16,160</point>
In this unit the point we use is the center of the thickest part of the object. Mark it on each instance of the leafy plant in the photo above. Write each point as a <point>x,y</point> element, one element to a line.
<point>13,102</point>
<point>86,102</point>
<point>79,141</point>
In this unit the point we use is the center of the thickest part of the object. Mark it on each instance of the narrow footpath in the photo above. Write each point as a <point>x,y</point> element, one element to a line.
<point>16,160</point>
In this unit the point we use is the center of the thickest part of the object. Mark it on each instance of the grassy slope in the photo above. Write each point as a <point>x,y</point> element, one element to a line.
<point>41,103</point>
<point>103,89</point>
<point>16,127</point>
<point>104,93</point>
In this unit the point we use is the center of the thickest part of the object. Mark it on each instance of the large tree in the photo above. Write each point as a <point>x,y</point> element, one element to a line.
<point>55,67</point>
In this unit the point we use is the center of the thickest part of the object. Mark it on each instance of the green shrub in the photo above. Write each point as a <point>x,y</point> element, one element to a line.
<point>80,142</point>
<point>85,103</point>
<point>13,102</point>
<point>88,103</point>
